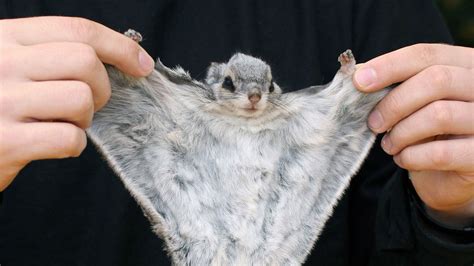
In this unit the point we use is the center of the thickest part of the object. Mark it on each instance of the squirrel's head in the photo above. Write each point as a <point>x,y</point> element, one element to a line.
<point>243,86</point>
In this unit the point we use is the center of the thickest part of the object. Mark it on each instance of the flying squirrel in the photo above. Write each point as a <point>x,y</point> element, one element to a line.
<point>231,171</point>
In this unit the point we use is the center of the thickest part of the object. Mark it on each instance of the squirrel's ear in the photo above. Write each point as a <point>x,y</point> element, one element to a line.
<point>214,65</point>
<point>214,72</point>
<point>236,56</point>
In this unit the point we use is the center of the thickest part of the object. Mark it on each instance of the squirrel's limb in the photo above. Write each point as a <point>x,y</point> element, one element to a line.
<point>134,35</point>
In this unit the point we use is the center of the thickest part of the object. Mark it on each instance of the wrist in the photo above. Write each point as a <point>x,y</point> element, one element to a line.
<point>457,217</point>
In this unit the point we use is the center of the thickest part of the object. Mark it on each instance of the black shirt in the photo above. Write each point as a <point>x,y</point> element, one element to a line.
<point>77,212</point>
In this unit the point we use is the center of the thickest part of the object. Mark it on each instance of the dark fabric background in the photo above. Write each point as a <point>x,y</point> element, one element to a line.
<point>460,19</point>
<point>77,212</point>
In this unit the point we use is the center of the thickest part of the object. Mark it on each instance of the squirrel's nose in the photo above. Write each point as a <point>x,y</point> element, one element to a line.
<point>254,98</point>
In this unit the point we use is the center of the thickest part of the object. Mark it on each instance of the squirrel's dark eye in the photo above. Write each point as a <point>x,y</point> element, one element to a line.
<point>272,88</point>
<point>228,84</point>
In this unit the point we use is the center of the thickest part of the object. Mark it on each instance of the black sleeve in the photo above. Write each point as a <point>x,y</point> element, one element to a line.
<point>435,229</point>
<point>403,233</point>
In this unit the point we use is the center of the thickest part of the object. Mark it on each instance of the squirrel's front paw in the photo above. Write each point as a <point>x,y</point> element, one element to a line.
<point>347,61</point>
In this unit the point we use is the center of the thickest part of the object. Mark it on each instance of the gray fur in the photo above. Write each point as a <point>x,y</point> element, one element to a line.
<point>226,188</point>
<point>250,75</point>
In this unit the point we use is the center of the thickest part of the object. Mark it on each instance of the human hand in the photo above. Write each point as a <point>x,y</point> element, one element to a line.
<point>51,81</point>
<point>430,122</point>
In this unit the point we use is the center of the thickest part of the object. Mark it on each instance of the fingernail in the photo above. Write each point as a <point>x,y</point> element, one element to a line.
<point>365,76</point>
<point>375,120</point>
<point>146,62</point>
<point>386,143</point>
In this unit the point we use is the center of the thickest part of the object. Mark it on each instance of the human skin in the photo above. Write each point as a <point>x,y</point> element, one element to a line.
<point>52,80</point>
<point>62,57</point>
<point>429,122</point>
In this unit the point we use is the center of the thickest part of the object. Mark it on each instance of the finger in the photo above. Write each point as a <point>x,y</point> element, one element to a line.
<point>7,178</point>
<point>62,61</point>
<point>70,101</point>
<point>433,83</point>
<point>404,63</point>
<point>437,118</point>
<point>43,140</point>
<point>112,47</point>
<point>443,155</point>
<point>9,168</point>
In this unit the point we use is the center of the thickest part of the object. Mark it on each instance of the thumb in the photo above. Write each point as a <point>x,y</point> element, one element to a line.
<point>111,47</point>
<point>400,65</point>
